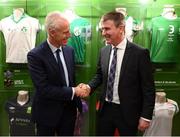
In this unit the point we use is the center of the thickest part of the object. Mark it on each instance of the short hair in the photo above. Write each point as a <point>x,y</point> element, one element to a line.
<point>52,18</point>
<point>117,17</point>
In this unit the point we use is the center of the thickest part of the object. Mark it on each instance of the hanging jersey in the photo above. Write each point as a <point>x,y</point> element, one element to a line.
<point>20,123</point>
<point>132,27</point>
<point>80,29</point>
<point>20,37</point>
<point>165,40</point>
<point>129,28</point>
<point>161,124</point>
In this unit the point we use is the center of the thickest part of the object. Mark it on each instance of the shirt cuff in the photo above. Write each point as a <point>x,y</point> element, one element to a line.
<point>73,93</point>
<point>88,86</point>
<point>148,120</point>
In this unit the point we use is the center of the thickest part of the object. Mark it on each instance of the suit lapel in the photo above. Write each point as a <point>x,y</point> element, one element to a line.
<point>53,63</point>
<point>50,56</point>
<point>68,62</point>
<point>106,59</point>
<point>125,60</point>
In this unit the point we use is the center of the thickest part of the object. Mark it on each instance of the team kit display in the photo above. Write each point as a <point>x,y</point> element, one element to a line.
<point>80,29</point>
<point>20,32</point>
<point>165,39</point>
<point>20,36</point>
<point>20,122</point>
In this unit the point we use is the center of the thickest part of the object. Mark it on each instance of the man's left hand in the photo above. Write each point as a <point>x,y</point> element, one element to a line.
<point>143,124</point>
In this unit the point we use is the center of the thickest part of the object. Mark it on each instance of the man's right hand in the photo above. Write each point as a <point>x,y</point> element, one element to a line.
<point>82,90</point>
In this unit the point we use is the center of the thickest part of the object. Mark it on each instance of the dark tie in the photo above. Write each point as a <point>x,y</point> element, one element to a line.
<point>58,57</point>
<point>111,76</point>
<point>59,62</point>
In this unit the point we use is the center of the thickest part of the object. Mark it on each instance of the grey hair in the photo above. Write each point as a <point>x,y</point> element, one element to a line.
<point>52,18</point>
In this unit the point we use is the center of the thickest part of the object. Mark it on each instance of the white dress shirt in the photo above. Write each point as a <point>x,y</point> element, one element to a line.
<point>53,49</point>
<point>120,54</point>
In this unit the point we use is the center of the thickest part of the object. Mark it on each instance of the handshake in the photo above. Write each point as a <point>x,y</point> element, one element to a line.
<point>82,90</point>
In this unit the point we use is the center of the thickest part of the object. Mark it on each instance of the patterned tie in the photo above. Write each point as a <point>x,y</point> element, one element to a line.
<point>111,76</point>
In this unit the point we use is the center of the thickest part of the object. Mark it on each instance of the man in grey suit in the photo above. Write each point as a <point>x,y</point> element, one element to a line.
<point>125,72</point>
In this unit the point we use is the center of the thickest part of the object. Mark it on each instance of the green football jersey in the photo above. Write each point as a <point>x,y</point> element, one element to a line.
<point>165,41</point>
<point>80,29</point>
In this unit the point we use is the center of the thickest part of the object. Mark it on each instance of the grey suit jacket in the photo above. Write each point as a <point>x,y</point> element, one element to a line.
<point>136,85</point>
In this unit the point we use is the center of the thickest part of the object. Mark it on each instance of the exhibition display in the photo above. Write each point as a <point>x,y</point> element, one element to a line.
<point>19,114</point>
<point>19,31</point>
<point>165,36</point>
<point>164,111</point>
<point>154,25</point>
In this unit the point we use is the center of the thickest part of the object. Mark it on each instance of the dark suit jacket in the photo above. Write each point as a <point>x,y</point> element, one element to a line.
<point>51,92</point>
<point>136,85</point>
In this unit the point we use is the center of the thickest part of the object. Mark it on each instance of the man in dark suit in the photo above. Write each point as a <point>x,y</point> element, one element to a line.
<point>51,66</point>
<point>125,72</point>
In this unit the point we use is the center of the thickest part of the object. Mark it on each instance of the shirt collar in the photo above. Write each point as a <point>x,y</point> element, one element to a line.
<point>122,44</point>
<point>52,47</point>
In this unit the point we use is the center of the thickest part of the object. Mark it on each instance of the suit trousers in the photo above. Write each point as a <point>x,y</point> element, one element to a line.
<point>110,118</point>
<point>65,126</point>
